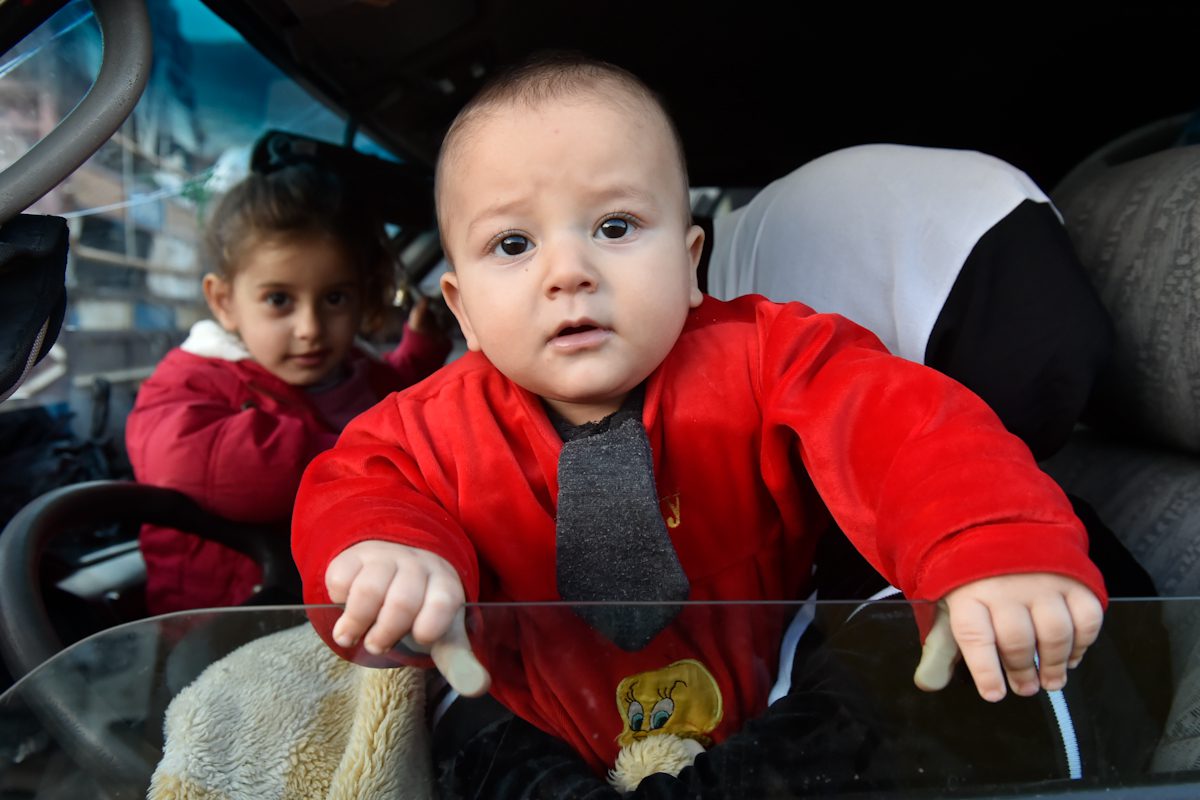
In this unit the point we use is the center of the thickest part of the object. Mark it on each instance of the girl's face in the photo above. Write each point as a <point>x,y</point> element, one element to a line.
<point>296,303</point>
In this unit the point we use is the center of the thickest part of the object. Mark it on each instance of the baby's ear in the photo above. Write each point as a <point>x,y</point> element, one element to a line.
<point>449,283</point>
<point>695,249</point>
<point>218,293</point>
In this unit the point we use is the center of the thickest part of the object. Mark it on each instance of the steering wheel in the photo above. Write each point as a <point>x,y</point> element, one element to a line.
<point>28,636</point>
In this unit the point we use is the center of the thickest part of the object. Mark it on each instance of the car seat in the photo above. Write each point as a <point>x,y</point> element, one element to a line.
<point>1133,213</point>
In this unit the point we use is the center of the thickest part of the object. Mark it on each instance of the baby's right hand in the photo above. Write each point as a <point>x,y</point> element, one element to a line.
<point>391,590</point>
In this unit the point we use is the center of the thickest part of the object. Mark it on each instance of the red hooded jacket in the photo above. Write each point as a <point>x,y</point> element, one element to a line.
<point>220,428</point>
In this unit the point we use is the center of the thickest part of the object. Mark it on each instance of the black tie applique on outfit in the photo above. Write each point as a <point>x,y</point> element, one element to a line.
<point>612,543</point>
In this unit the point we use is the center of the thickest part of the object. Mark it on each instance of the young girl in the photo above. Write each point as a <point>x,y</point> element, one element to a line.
<point>234,415</point>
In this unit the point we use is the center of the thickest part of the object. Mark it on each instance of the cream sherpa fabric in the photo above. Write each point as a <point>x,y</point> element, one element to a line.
<point>283,718</point>
<point>663,752</point>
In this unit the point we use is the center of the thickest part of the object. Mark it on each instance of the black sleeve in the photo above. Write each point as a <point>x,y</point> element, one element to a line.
<point>1024,329</point>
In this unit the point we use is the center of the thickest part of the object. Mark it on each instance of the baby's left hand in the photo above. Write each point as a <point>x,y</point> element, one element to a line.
<point>999,624</point>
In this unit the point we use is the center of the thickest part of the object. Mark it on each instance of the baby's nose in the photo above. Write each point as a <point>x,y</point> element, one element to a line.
<point>570,269</point>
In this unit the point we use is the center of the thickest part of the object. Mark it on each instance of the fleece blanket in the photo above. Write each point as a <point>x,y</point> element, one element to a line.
<point>283,718</point>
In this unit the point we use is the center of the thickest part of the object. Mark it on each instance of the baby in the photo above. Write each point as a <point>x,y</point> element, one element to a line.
<point>615,434</point>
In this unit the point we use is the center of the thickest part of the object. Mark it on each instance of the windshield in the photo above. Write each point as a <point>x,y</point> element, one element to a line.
<point>136,208</point>
<point>93,715</point>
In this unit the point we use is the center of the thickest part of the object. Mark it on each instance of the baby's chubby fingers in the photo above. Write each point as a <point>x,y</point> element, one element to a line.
<point>401,604</point>
<point>1010,618</point>
<point>971,624</point>
<point>362,585</point>
<point>340,575</point>
<point>441,605</point>
<point>1087,617</point>
<point>389,589</point>
<point>1016,642</point>
<point>1055,632</point>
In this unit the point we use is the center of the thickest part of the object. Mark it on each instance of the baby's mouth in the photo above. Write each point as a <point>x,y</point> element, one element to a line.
<point>576,334</point>
<point>573,329</point>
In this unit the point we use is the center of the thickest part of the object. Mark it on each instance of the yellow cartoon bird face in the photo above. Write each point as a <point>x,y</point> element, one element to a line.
<point>682,698</point>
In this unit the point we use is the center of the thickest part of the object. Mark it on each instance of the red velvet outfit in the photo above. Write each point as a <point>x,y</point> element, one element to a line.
<point>761,418</point>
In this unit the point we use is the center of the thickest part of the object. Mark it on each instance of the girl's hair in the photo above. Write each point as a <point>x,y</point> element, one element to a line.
<point>303,201</point>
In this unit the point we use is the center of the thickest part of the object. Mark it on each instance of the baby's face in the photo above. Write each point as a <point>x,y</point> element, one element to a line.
<point>574,263</point>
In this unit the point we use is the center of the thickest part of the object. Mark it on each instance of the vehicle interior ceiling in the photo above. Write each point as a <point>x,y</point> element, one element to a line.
<point>759,88</point>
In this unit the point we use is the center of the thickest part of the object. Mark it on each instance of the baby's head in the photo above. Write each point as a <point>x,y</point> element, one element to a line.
<point>563,207</point>
<point>297,268</point>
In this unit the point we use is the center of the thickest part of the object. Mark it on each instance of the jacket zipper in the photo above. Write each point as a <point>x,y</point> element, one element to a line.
<point>1066,731</point>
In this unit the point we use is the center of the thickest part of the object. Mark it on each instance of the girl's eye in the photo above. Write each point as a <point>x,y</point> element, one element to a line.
<point>615,228</point>
<point>276,299</point>
<point>337,298</point>
<point>513,245</point>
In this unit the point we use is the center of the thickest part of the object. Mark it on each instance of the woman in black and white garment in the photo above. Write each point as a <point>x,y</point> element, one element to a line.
<point>954,258</point>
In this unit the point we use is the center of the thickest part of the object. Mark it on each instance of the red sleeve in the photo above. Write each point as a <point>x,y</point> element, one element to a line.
<point>418,356</point>
<point>185,433</point>
<point>918,471</point>
<point>371,487</point>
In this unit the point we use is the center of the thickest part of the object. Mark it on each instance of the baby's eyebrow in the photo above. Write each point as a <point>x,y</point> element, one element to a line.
<point>498,209</point>
<point>601,193</point>
<point>622,191</point>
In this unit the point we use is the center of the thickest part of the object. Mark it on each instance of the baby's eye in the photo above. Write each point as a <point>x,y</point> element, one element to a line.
<point>337,298</point>
<point>615,228</point>
<point>513,244</point>
<point>276,299</point>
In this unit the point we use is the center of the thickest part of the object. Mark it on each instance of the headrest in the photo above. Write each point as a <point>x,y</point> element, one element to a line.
<point>1136,228</point>
<point>401,193</point>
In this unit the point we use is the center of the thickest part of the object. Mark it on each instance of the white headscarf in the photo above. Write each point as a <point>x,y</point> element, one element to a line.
<point>877,233</point>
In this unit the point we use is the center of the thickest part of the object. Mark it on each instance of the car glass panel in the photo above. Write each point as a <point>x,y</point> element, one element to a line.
<point>135,209</point>
<point>117,684</point>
